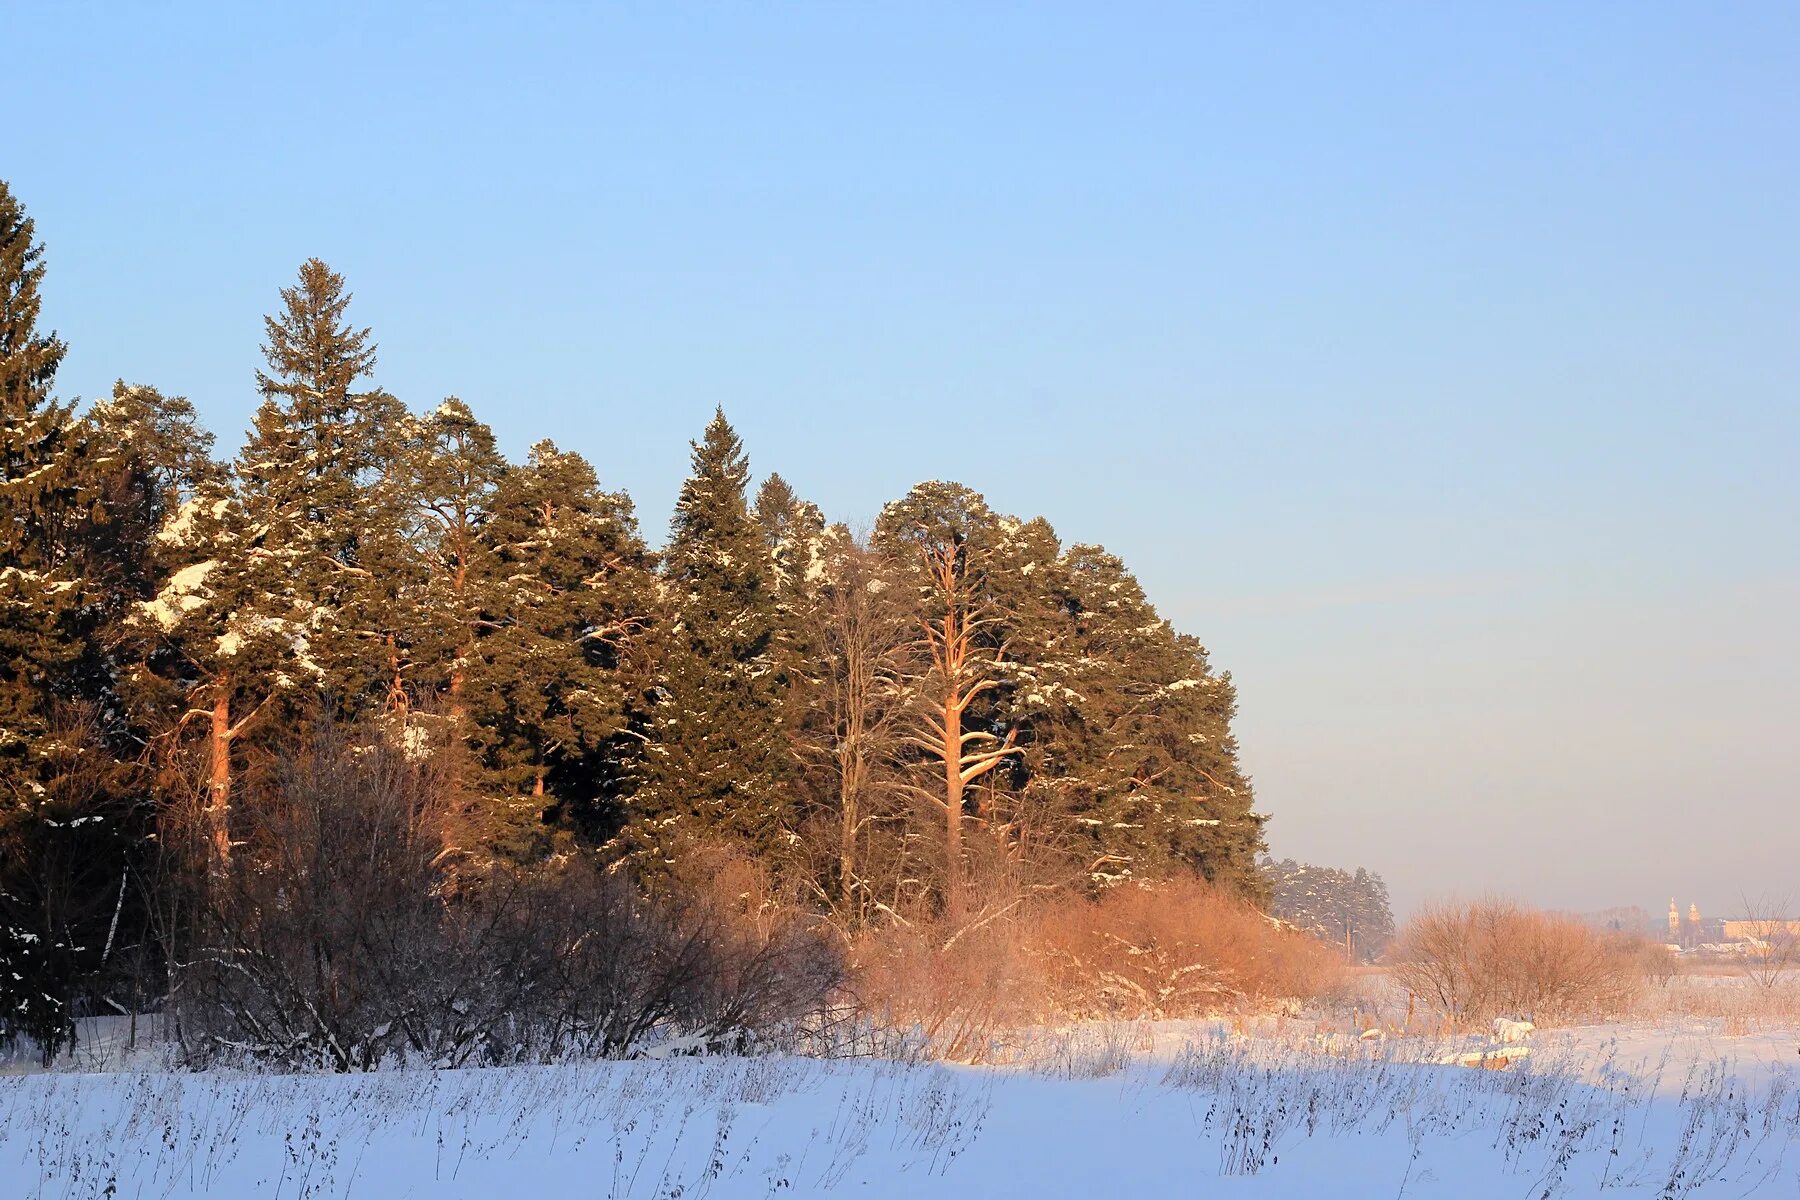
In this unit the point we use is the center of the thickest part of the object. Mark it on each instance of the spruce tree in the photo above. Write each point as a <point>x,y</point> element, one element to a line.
<point>40,602</point>
<point>283,593</point>
<point>1131,736</point>
<point>556,682</point>
<point>39,596</point>
<point>323,487</point>
<point>717,765</point>
<point>83,499</point>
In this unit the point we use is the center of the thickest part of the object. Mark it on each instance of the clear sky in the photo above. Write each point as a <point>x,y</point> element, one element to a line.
<point>1436,364</point>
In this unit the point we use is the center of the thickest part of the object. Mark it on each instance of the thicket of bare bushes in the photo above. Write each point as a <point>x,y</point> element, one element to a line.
<point>339,934</point>
<point>344,928</point>
<point>1488,958</point>
<point>1171,950</point>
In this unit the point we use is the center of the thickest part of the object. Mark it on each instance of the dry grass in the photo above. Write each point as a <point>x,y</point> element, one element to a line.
<point>1726,999</point>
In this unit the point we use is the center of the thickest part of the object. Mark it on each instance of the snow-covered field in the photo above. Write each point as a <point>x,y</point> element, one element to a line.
<point>1172,1109</point>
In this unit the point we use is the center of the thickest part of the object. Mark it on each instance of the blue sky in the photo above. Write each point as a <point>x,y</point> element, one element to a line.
<point>1435,364</point>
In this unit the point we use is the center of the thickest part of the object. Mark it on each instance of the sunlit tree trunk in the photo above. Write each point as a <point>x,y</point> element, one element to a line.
<point>961,670</point>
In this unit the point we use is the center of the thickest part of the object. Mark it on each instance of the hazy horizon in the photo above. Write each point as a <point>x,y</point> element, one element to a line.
<point>1437,370</point>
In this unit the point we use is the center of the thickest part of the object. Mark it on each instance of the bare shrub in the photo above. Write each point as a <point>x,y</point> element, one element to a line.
<point>1773,947</point>
<point>1655,962</point>
<point>957,993</point>
<point>338,938</point>
<point>1179,949</point>
<point>1494,958</point>
<point>322,934</point>
<point>771,962</point>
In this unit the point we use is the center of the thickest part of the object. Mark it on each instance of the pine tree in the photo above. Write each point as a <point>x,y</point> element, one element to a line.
<point>143,456</point>
<point>944,539</point>
<point>456,474</point>
<point>216,653</point>
<point>717,766</point>
<point>556,681</point>
<point>794,530</point>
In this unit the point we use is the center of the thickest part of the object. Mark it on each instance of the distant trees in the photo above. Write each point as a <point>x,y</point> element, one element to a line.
<point>1347,907</point>
<point>930,725</point>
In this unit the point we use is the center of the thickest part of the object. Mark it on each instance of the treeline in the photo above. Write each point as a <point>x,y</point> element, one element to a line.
<point>924,723</point>
<point>1348,908</point>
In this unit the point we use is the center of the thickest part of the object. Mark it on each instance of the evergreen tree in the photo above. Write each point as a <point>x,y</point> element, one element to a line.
<point>82,500</point>
<point>717,765</point>
<point>794,530</point>
<point>143,456</point>
<point>1130,735</point>
<point>1342,907</point>
<point>286,590</point>
<point>40,599</point>
<point>944,540</point>
<point>456,475</point>
<point>556,682</point>
<point>322,484</point>
<point>39,595</point>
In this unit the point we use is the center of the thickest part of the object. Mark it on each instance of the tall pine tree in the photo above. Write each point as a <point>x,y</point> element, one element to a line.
<point>456,476</point>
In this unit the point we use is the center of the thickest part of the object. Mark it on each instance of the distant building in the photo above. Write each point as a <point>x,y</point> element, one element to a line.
<point>1759,929</point>
<point>1695,931</point>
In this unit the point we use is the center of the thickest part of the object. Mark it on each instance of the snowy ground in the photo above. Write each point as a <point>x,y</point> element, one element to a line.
<point>1101,1111</point>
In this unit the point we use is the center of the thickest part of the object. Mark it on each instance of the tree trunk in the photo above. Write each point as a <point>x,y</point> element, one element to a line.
<point>218,790</point>
<point>847,854</point>
<point>953,810</point>
<point>458,709</point>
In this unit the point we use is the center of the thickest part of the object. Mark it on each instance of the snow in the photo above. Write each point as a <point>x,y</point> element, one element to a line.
<point>182,594</point>
<point>1173,1109</point>
<point>1507,1030</point>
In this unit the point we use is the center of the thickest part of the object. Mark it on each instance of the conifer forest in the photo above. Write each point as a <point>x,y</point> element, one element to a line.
<point>366,698</point>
